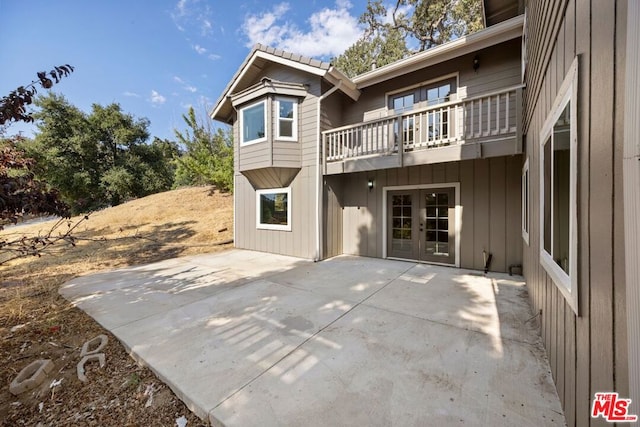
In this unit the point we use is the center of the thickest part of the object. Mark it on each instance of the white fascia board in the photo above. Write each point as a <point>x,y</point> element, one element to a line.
<point>317,71</point>
<point>289,63</point>
<point>504,31</point>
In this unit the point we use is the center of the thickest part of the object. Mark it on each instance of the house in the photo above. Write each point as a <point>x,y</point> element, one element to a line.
<point>501,150</point>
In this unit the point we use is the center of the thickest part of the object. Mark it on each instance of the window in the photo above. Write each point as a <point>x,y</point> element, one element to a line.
<point>253,119</point>
<point>426,95</point>
<point>438,93</point>
<point>273,210</point>
<point>403,103</point>
<point>287,119</point>
<point>525,201</point>
<point>558,177</point>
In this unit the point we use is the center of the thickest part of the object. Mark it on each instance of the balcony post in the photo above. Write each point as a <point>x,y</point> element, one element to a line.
<point>400,141</point>
<point>323,158</point>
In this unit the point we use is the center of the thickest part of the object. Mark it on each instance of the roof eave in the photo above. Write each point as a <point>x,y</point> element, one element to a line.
<point>311,66</point>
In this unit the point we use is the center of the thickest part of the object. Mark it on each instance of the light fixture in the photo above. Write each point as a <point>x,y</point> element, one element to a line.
<point>370,184</point>
<point>476,63</point>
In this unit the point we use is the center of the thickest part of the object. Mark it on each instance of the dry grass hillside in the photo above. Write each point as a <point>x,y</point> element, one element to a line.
<point>35,322</point>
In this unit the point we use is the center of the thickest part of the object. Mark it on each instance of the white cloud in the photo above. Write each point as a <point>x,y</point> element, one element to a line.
<point>201,50</point>
<point>331,30</point>
<point>156,98</point>
<point>193,14</point>
<point>205,26</point>
<point>185,85</point>
<point>181,7</point>
<point>131,94</point>
<point>214,57</point>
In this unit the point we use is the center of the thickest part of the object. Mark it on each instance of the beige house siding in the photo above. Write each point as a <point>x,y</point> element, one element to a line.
<point>489,196</point>
<point>500,67</point>
<point>332,217</point>
<point>300,241</point>
<point>588,353</point>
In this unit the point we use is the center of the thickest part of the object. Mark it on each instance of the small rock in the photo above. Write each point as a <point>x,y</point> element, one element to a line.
<point>18,327</point>
<point>182,421</point>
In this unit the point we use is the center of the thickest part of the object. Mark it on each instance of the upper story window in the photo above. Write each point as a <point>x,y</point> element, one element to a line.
<point>426,95</point>
<point>558,190</point>
<point>287,125</point>
<point>403,102</point>
<point>438,93</point>
<point>253,119</point>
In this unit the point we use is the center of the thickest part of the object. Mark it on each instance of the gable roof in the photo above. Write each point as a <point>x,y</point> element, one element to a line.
<point>260,55</point>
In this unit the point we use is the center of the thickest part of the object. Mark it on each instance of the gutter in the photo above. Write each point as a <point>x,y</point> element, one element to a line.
<point>318,255</point>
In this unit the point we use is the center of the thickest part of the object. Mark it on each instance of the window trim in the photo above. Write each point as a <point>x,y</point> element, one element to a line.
<point>455,76</point>
<point>526,201</point>
<point>294,124</point>
<point>278,227</point>
<point>567,284</point>
<point>241,121</point>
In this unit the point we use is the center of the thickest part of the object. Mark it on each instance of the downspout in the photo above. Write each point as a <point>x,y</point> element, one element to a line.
<point>319,163</point>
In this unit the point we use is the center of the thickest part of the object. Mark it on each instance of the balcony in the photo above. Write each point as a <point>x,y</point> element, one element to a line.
<point>487,125</point>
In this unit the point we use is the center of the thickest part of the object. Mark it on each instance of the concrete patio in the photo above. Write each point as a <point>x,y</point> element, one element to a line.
<point>248,338</point>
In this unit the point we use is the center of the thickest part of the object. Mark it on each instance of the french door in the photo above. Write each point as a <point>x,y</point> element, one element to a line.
<point>421,225</point>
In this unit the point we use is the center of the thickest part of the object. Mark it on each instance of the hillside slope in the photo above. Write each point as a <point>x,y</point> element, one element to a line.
<point>35,322</point>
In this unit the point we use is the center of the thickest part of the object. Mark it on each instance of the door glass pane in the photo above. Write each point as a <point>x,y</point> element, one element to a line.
<point>442,249</point>
<point>401,222</point>
<point>437,224</point>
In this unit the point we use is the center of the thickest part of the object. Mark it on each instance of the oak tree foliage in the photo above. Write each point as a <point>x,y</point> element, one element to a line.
<point>98,159</point>
<point>406,27</point>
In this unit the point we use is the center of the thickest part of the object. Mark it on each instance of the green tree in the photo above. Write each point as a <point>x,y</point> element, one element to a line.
<point>98,159</point>
<point>422,23</point>
<point>207,157</point>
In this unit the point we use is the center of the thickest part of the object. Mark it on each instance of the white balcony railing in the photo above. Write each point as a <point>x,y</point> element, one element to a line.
<point>471,119</point>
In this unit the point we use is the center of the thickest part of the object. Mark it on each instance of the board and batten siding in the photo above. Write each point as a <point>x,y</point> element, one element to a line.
<point>587,353</point>
<point>300,241</point>
<point>489,197</point>
<point>332,222</point>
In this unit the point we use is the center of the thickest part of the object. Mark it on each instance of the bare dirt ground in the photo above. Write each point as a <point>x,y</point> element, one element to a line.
<point>36,323</point>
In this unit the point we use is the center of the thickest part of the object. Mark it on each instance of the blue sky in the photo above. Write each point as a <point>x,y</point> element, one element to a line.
<point>156,58</point>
